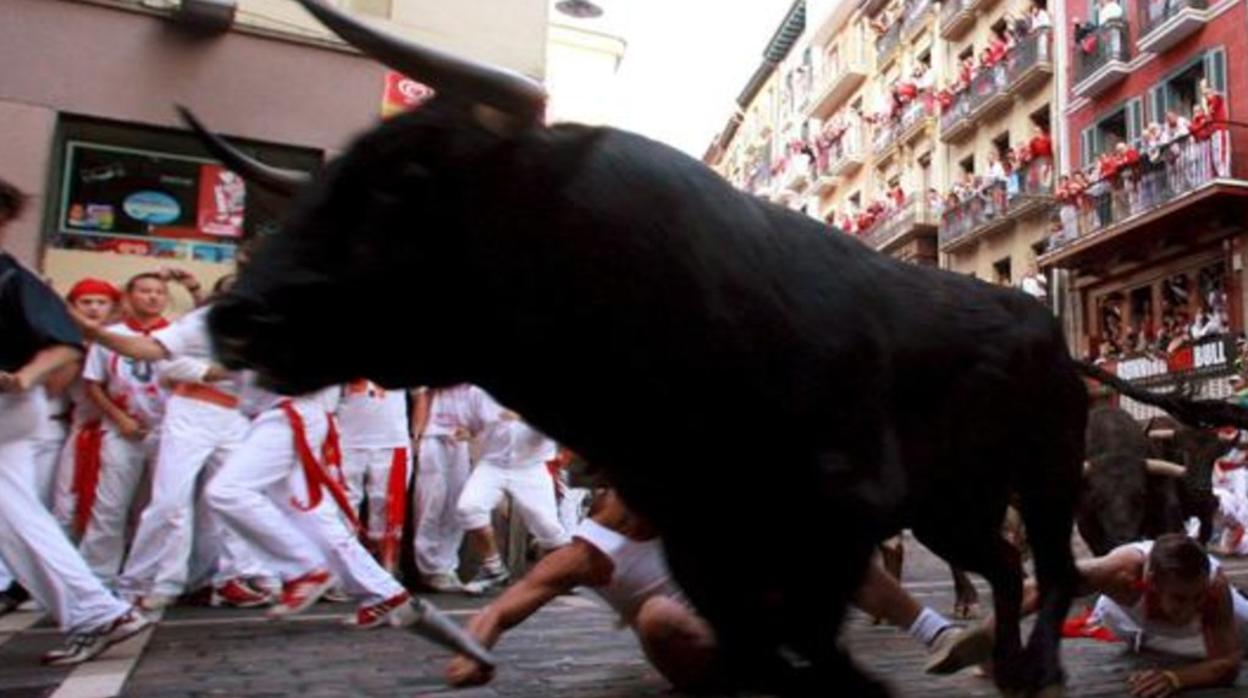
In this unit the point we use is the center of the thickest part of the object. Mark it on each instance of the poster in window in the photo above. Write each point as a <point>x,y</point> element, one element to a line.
<point>222,201</point>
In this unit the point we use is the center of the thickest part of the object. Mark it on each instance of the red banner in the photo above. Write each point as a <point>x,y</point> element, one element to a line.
<point>401,94</point>
<point>222,200</point>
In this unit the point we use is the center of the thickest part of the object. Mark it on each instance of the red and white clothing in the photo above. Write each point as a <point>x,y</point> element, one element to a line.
<point>45,444</point>
<point>512,461</point>
<point>1138,627</point>
<point>132,385</point>
<point>373,432</point>
<point>202,428</point>
<point>443,467</point>
<point>275,492</point>
<point>78,465</point>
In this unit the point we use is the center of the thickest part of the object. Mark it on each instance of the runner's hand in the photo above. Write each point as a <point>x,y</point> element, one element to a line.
<point>1150,684</point>
<point>466,671</point>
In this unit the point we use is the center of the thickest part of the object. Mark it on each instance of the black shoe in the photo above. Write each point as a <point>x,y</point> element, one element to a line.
<point>11,598</point>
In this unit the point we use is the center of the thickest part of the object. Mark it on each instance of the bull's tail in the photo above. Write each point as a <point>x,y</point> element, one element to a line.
<point>1198,414</point>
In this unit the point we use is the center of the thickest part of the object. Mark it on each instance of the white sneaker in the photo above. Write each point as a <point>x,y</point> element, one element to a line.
<point>487,581</point>
<point>442,583</point>
<point>83,646</point>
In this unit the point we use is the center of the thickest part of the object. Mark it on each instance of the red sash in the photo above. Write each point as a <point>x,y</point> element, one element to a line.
<point>314,473</point>
<point>86,472</point>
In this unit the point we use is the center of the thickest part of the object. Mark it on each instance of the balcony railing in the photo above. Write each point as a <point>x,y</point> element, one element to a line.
<point>884,139</point>
<point>1105,45</point>
<point>982,211</point>
<point>956,119</point>
<point>1164,23</point>
<point>916,15</point>
<point>1154,13</point>
<point>838,75</point>
<point>955,18</point>
<point>1164,174</point>
<point>988,90</point>
<point>915,116</point>
<point>912,215</point>
<point>1030,188</point>
<point>887,43</point>
<point>1030,62</point>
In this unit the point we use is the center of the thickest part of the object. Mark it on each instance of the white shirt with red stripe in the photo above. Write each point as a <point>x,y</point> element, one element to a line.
<point>131,384</point>
<point>188,337</point>
<point>462,406</point>
<point>370,416</point>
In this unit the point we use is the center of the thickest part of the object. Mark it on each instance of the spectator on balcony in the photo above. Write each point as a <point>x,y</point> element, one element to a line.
<point>1215,107</point>
<point>1152,167</point>
<point>883,22</point>
<point>1201,161</point>
<point>1109,11</point>
<point>1079,186</point>
<point>1068,211</point>
<point>996,169</point>
<point>1013,173</point>
<point>923,77</point>
<point>1127,162</point>
<point>934,202</point>
<point>1103,186</point>
<point>966,73</point>
<point>1176,133</point>
<point>1040,20</point>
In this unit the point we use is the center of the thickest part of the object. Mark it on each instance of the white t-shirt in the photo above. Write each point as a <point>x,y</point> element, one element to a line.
<point>254,400</point>
<point>639,569</point>
<point>370,416</point>
<point>131,384</point>
<point>1110,11</point>
<point>462,406</point>
<point>188,337</point>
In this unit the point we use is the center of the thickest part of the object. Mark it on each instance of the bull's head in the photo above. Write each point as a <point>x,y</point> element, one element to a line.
<point>400,198</point>
<point>1123,502</point>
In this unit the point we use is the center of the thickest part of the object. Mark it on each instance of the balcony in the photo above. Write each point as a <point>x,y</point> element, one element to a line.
<point>797,174</point>
<point>887,44</point>
<point>989,93</point>
<point>916,118</point>
<point>847,154</point>
<point>1102,59</point>
<point>1190,185</point>
<point>884,142</point>
<point>1030,65</point>
<point>912,219</point>
<point>1030,189</point>
<point>984,213</point>
<point>955,19</point>
<point>1164,23</point>
<point>838,78</point>
<point>916,17</point>
<point>956,123</point>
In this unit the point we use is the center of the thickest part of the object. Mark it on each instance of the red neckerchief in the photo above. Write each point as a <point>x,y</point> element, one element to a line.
<point>157,324</point>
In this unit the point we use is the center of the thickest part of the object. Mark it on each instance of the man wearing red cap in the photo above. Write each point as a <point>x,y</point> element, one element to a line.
<point>132,401</point>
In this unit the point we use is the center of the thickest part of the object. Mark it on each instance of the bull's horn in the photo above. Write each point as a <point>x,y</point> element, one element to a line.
<point>275,179</point>
<point>1161,434</point>
<point>1164,467</point>
<point>504,90</point>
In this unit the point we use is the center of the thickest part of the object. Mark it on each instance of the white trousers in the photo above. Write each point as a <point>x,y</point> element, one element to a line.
<point>367,472</point>
<point>255,494</point>
<point>532,491</point>
<point>45,448</point>
<point>32,545</point>
<point>122,465</point>
<point>441,472</point>
<point>196,439</point>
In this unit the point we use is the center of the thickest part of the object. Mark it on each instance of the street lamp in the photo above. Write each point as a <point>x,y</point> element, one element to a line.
<point>580,9</point>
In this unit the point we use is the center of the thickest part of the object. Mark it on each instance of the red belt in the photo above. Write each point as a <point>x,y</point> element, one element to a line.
<point>206,393</point>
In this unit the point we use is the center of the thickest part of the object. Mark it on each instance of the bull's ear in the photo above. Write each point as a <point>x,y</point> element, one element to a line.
<point>517,96</point>
<point>275,179</point>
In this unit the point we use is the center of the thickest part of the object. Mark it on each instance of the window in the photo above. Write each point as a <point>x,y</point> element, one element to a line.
<point>1002,144</point>
<point>999,28</point>
<point>1181,89</point>
<point>1001,271</point>
<point>1041,118</point>
<point>156,193</point>
<point>968,52</point>
<point>967,165</point>
<point>1123,125</point>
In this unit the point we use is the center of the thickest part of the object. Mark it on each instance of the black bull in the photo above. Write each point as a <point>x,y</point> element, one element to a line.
<point>775,396</point>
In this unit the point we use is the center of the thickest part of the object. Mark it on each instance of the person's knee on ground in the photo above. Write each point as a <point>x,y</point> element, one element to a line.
<point>678,643</point>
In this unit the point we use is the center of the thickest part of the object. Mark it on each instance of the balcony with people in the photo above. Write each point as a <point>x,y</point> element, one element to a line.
<point>915,17</point>
<point>903,217</point>
<point>839,148</point>
<point>1130,185</point>
<point>1164,23</point>
<point>974,207</point>
<point>1030,64</point>
<point>887,28</point>
<point>1102,50</point>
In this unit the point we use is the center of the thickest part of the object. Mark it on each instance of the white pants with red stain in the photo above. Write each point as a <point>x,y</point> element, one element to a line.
<point>122,466</point>
<point>532,491</point>
<point>441,471</point>
<point>367,472</point>
<point>255,494</point>
<point>196,439</point>
<point>32,545</point>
